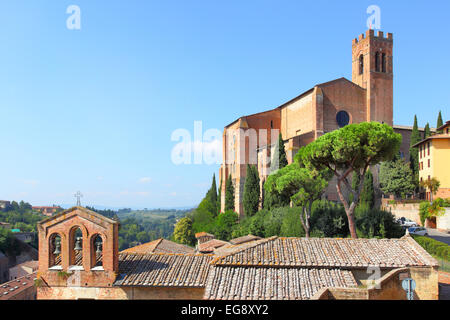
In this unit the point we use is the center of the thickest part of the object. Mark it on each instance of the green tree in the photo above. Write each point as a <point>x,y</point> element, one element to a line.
<point>368,193</point>
<point>396,177</point>
<point>427,131</point>
<point>224,225</point>
<point>183,232</point>
<point>432,185</point>
<point>302,185</point>
<point>229,194</point>
<point>352,148</point>
<point>439,123</point>
<point>251,191</point>
<point>414,152</point>
<point>211,195</point>
<point>219,198</point>
<point>282,159</point>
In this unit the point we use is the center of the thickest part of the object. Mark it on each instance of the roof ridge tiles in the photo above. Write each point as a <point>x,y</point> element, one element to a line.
<point>255,244</point>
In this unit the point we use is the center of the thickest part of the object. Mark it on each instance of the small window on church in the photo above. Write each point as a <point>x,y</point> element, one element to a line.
<point>342,118</point>
<point>361,64</point>
<point>271,124</point>
<point>383,62</point>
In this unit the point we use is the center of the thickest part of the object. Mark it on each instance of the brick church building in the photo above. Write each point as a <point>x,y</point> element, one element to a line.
<point>323,108</point>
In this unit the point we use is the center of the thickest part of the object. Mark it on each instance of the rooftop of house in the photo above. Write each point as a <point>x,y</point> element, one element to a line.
<point>328,252</point>
<point>33,264</point>
<point>244,239</point>
<point>160,246</point>
<point>433,137</point>
<point>163,270</point>
<point>242,283</point>
<point>12,288</point>
<point>211,245</point>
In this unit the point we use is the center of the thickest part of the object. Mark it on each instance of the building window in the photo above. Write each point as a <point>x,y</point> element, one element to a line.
<point>420,152</point>
<point>361,64</point>
<point>377,62</point>
<point>271,124</point>
<point>342,118</point>
<point>428,148</point>
<point>429,164</point>
<point>383,62</point>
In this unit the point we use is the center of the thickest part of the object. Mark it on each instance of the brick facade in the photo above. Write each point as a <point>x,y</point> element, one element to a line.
<point>368,97</point>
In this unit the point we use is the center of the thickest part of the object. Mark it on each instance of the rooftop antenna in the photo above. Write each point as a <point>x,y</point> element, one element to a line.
<point>78,195</point>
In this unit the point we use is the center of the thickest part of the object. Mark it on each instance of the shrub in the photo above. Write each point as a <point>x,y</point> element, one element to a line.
<point>434,247</point>
<point>376,223</point>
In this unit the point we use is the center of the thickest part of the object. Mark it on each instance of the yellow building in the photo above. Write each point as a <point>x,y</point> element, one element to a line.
<point>434,160</point>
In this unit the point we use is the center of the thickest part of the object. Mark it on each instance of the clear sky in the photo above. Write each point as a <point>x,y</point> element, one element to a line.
<point>94,109</point>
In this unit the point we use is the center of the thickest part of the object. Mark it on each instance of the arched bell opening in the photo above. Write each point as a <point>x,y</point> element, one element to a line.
<point>76,249</point>
<point>96,252</point>
<point>55,252</point>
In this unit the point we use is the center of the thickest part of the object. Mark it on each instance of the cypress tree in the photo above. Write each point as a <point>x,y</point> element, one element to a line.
<point>414,152</point>
<point>439,122</point>
<point>219,198</point>
<point>212,195</point>
<point>229,194</point>
<point>251,191</point>
<point>427,132</point>
<point>282,159</point>
<point>368,194</point>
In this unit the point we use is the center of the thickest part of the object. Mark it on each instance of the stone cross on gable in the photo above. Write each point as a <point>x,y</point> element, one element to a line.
<point>78,195</point>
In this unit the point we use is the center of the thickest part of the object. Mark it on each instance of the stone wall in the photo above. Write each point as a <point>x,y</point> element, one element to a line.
<point>388,287</point>
<point>120,293</point>
<point>443,223</point>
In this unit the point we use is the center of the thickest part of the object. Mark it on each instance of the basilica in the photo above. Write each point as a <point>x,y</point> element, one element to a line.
<point>323,108</point>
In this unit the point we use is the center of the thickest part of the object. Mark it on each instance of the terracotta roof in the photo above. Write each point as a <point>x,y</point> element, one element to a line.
<point>244,239</point>
<point>326,252</point>
<point>11,288</point>
<point>33,264</point>
<point>435,136</point>
<point>160,246</point>
<point>211,245</point>
<point>447,123</point>
<point>163,270</point>
<point>250,283</point>
<point>203,234</point>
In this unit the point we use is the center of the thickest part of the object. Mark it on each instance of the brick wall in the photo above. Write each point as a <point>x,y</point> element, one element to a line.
<point>120,293</point>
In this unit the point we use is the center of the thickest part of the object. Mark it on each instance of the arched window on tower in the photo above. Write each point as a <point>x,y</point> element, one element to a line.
<point>76,249</point>
<point>97,252</point>
<point>54,252</point>
<point>377,62</point>
<point>361,64</point>
<point>383,62</point>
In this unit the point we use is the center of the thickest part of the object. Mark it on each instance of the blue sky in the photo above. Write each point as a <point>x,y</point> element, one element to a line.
<point>94,109</point>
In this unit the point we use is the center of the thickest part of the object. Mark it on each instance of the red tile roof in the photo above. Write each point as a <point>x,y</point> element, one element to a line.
<point>250,283</point>
<point>10,289</point>
<point>163,270</point>
<point>211,245</point>
<point>325,252</point>
<point>160,246</point>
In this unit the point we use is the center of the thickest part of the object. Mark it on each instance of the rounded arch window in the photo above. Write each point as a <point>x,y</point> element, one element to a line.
<point>97,252</point>
<point>342,118</point>
<point>76,248</point>
<point>54,251</point>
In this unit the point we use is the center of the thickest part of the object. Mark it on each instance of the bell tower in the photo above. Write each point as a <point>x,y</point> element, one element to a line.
<point>372,69</point>
<point>77,248</point>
